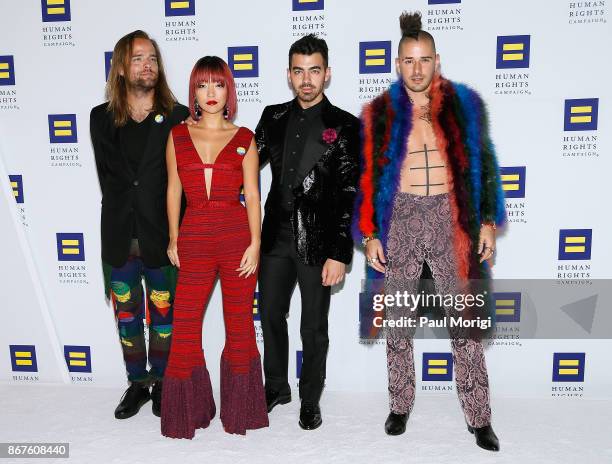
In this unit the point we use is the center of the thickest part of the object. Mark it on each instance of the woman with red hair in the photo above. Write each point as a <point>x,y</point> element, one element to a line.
<point>210,161</point>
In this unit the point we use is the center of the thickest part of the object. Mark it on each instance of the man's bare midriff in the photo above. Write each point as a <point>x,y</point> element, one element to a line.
<point>424,170</point>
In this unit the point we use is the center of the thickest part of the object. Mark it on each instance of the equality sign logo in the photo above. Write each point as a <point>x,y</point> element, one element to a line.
<point>7,70</point>
<point>62,128</point>
<point>55,10</point>
<point>23,358</point>
<point>580,114</point>
<point>513,51</point>
<point>17,187</point>
<point>78,358</point>
<point>568,367</point>
<point>243,61</point>
<point>180,8</point>
<point>437,367</point>
<point>507,306</point>
<point>513,181</point>
<point>375,57</point>
<point>256,315</point>
<point>575,244</point>
<point>70,247</point>
<point>308,5</point>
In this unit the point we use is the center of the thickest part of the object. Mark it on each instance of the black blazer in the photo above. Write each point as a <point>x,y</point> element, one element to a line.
<point>326,184</point>
<point>126,193</point>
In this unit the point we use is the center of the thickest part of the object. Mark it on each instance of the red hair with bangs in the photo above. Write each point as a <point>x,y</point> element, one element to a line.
<point>213,69</point>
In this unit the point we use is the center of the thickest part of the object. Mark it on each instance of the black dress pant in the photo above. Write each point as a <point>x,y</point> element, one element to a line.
<point>279,270</point>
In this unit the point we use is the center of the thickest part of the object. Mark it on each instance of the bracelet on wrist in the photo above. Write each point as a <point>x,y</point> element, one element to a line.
<point>366,239</point>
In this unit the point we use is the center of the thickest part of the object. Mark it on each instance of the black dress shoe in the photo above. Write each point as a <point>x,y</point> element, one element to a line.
<point>310,415</point>
<point>132,400</point>
<point>156,395</point>
<point>273,398</point>
<point>485,437</point>
<point>396,423</point>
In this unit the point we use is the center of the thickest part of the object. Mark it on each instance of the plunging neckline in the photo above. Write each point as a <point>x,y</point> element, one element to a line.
<point>218,154</point>
<point>208,167</point>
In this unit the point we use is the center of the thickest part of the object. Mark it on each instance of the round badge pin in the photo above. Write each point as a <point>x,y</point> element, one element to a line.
<point>241,150</point>
<point>159,118</point>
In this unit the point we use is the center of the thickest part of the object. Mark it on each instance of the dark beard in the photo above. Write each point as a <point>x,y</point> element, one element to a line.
<point>309,98</point>
<point>142,85</point>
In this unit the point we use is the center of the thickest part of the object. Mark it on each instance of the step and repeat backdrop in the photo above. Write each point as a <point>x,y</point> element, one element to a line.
<point>543,68</point>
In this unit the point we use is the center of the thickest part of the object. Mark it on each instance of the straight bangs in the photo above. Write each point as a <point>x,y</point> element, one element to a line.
<point>213,69</point>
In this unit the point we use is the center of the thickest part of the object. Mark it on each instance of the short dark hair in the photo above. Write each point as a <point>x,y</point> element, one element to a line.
<point>412,28</point>
<point>308,45</point>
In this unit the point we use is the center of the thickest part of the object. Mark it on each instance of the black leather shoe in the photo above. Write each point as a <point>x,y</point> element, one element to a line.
<point>273,398</point>
<point>485,437</point>
<point>156,395</point>
<point>132,400</point>
<point>310,416</point>
<point>396,423</point>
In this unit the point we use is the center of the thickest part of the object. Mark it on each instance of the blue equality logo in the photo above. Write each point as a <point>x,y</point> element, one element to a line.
<point>437,367</point>
<point>375,57</point>
<point>580,114</point>
<point>108,61</point>
<point>23,358</point>
<point>78,358</point>
<point>7,70</point>
<point>243,61</point>
<point>568,367</point>
<point>55,10</point>
<point>575,244</point>
<point>256,315</point>
<point>16,181</point>
<point>513,181</point>
<point>507,306</point>
<point>308,5</point>
<point>298,363</point>
<point>513,51</point>
<point>62,128</point>
<point>180,8</point>
<point>70,247</point>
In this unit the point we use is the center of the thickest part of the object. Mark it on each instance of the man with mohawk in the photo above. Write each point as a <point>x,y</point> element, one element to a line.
<point>430,196</point>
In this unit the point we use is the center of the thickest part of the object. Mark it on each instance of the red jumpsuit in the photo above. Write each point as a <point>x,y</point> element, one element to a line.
<point>212,239</point>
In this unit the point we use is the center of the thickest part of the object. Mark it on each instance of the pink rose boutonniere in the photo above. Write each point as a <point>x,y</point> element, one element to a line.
<point>330,135</point>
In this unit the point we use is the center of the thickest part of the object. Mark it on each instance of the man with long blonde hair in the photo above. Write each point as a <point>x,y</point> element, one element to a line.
<point>128,134</point>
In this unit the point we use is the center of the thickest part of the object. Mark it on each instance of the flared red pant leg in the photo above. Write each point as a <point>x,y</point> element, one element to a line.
<point>212,242</point>
<point>243,401</point>
<point>187,399</point>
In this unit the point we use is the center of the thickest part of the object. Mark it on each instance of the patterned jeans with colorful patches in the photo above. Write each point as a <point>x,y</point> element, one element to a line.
<point>129,303</point>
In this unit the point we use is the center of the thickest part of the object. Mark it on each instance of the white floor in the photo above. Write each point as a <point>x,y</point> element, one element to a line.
<point>530,431</point>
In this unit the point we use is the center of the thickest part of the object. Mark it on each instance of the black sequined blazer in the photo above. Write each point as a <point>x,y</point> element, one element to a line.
<point>327,183</point>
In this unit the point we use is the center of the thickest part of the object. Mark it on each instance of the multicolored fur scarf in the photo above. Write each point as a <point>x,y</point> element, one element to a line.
<point>460,124</point>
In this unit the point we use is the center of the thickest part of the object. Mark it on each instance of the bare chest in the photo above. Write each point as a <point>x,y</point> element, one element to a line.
<point>423,171</point>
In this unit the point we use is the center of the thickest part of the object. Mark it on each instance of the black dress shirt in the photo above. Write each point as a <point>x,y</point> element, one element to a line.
<point>132,139</point>
<point>301,122</point>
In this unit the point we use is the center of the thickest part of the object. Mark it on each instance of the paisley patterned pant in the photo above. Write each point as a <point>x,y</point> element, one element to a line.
<point>421,231</point>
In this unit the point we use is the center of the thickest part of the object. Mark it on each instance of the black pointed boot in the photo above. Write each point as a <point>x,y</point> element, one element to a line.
<point>485,437</point>
<point>396,423</point>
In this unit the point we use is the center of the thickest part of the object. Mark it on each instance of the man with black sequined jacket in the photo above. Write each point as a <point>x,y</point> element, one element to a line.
<point>313,151</point>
